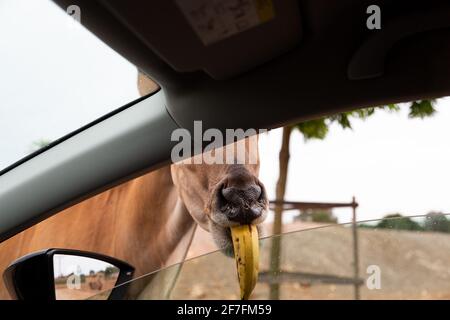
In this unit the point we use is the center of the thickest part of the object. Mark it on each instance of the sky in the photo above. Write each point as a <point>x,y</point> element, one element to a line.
<point>64,265</point>
<point>55,77</point>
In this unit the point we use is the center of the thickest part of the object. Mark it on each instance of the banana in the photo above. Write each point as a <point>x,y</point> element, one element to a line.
<point>246,254</point>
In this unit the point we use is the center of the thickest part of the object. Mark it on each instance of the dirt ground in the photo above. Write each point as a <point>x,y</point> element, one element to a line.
<point>202,242</point>
<point>411,265</point>
<point>64,293</point>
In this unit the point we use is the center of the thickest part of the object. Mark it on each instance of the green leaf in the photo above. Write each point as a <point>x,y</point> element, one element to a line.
<point>318,128</point>
<point>39,144</point>
<point>422,109</point>
<point>364,113</point>
<point>313,129</point>
<point>392,107</point>
<point>342,119</point>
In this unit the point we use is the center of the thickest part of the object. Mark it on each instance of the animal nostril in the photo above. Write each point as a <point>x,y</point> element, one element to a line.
<point>242,196</point>
<point>227,193</point>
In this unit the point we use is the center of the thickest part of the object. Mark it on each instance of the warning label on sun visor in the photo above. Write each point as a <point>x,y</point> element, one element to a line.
<point>214,20</point>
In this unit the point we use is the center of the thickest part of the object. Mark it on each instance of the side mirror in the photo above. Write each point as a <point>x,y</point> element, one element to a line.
<point>62,274</point>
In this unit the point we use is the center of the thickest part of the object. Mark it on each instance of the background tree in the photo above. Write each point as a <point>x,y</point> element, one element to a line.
<point>437,222</point>
<point>38,144</point>
<point>398,222</point>
<point>318,129</point>
<point>109,271</point>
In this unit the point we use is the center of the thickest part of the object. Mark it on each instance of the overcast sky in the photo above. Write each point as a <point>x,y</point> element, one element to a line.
<point>55,77</point>
<point>64,265</point>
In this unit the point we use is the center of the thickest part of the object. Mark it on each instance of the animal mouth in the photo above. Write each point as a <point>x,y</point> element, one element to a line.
<point>222,237</point>
<point>230,215</point>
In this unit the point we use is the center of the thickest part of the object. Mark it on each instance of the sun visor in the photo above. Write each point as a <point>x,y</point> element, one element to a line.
<point>209,31</point>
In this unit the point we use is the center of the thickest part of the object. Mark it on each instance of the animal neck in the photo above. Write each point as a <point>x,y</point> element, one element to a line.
<point>166,227</point>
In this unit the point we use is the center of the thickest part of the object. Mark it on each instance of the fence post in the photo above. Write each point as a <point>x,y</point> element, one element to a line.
<point>355,251</point>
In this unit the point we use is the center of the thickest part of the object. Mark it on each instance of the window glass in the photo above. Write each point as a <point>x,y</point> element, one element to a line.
<point>55,77</point>
<point>394,262</point>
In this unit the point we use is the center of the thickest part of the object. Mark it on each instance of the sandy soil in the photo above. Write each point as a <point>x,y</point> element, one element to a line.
<point>64,293</point>
<point>202,242</point>
<point>412,266</point>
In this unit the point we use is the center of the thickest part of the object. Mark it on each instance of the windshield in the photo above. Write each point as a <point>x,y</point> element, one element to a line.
<point>397,258</point>
<point>55,77</point>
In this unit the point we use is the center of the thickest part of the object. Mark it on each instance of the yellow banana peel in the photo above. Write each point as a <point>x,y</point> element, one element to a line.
<point>246,254</point>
